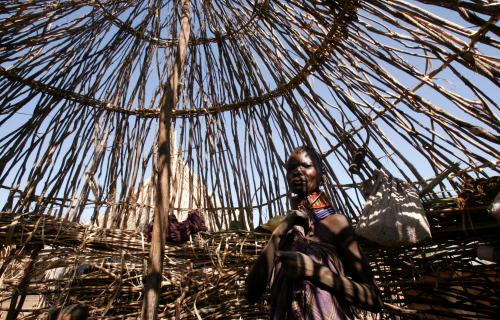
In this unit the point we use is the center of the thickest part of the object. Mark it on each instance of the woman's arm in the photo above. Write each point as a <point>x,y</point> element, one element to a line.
<point>260,274</point>
<point>360,290</point>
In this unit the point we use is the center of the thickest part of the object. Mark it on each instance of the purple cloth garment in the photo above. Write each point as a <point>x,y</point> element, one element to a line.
<point>301,299</point>
<point>180,231</point>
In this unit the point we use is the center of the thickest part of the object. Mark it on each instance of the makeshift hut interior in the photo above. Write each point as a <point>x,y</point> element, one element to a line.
<point>91,90</point>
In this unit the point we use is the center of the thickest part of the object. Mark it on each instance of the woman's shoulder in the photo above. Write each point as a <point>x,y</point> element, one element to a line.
<point>336,223</point>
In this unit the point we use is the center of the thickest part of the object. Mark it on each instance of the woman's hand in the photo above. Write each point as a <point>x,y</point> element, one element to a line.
<point>260,273</point>
<point>294,217</point>
<point>297,265</point>
<point>298,216</point>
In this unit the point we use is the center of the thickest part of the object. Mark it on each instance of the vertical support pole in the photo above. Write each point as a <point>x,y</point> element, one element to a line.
<point>15,304</point>
<point>152,282</point>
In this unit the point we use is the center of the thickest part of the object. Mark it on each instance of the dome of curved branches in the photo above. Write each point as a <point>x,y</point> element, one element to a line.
<point>413,84</point>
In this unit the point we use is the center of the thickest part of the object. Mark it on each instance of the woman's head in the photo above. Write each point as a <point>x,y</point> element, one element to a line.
<point>304,171</point>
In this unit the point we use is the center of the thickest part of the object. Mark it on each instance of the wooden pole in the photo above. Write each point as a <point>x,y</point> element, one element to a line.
<point>15,304</point>
<point>152,282</point>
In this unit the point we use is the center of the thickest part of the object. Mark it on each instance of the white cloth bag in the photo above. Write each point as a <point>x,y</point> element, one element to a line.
<point>393,214</point>
<point>494,208</point>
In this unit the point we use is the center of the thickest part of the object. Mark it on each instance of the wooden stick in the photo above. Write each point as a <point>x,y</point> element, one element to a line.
<point>152,282</point>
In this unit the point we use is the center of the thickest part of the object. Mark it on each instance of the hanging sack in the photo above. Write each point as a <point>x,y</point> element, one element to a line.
<point>393,214</point>
<point>494,208</point>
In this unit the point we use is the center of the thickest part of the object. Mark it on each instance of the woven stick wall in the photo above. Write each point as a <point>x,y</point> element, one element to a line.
<point>82,84</point>
<point>103,268</point>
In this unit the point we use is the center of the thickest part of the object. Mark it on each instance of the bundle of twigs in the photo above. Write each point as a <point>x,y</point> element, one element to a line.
<point>46,230</point>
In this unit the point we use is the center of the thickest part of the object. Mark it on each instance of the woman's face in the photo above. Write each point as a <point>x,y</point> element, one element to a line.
<point>303,175</point>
